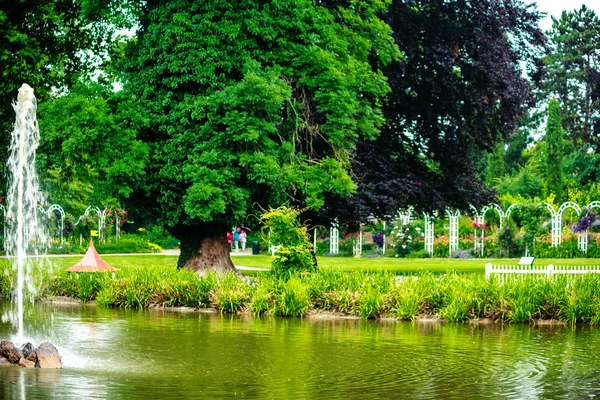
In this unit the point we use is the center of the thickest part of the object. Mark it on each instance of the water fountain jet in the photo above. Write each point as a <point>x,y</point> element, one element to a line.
<point>24,233</point>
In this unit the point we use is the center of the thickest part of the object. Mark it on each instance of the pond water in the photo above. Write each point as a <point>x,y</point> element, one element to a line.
<point>123,354</point>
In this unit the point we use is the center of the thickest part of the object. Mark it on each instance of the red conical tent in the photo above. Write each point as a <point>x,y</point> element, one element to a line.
<point>91,262</point>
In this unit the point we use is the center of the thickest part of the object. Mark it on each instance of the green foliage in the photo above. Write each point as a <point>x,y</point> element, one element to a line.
<point>453,297</point>
<point>495,168</point>
<point>83,145</point>
<point>230,293</point>
<point>572,71</point>
<point>295,252</point>
<point>47,44</point>
<point>293,298</point>
<point>554,152</point>
<point>248,102</point>
<point>127,244</point>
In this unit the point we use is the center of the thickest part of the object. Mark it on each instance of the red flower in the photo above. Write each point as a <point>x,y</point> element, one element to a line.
<point>347,236</point>
<point>356,235</point>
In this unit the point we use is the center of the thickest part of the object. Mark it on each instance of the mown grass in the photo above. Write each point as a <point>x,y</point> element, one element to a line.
<point>146,281</point>
<point>410,265</point>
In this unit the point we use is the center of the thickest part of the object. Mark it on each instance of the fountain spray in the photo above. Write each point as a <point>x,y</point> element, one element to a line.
<point>25,234</point>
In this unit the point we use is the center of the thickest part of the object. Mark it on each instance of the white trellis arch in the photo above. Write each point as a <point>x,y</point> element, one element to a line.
<point>334,237</point>
<point>405,216</point>
<point>556,224</point>
<point>479,219</point>
<point>100,219</point>
<point>453,217</point>
<point>510,209</point>
<point>583,237</point>
<point>56,207</point>
<point>478,223</point>
<point>561,210</point>
<point>429,236</point>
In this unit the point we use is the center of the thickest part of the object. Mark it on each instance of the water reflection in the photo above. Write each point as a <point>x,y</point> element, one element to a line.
<point>131,354</point>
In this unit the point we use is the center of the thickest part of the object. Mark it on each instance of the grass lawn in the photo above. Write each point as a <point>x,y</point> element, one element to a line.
<point>414,265</point>
<point>399,265</point>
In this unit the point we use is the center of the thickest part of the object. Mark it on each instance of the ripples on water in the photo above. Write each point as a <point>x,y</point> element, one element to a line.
<point>158,354</point>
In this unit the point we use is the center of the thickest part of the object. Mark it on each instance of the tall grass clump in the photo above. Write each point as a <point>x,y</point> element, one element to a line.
<point>230,293</point>
<point>262,298</point>
<point>295,251</point>
<point>464,297</point>
<point>186,288</point>
<point>131,288</point>
<point>580,300</point>
<point>370,302</point>
<point>523,297</point>
<point>408,298</point>
<point>293,299</point>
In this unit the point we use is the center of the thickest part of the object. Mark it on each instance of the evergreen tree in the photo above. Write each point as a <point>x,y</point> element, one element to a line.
<point>573,72</point>
<point>495,166</point>
<point>554,152</point>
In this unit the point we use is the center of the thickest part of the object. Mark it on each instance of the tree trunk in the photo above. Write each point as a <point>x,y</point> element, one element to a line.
<point>204,250</point>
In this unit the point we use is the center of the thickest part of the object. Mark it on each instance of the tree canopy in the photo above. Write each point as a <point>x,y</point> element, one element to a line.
<point>458,90</point>
<point>573,72</point>
<point>251,102</point>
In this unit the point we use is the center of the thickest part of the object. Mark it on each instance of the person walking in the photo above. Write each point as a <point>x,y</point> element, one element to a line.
<point>229,239</point>
<point>236,238</point>
<point>243,239</point>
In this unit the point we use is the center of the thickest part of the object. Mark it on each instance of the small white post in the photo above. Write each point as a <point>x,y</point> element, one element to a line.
<point>360,232</point>
<point>488,269</point>
<point>550,269</point>
<point>315,241</point>
<point>383,238</point>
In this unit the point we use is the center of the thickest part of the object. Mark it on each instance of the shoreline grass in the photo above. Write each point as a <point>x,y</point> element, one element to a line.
<point>143,282</point>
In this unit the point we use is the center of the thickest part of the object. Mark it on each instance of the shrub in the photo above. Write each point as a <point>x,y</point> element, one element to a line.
<point>128,244</point>
<point>295,253</point>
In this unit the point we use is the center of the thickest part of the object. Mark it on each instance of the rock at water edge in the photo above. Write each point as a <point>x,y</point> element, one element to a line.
<point>47,356</point>
<point>32,357</point>
<point>26,363</point>
<point>27,349</point>
<point>3,361</point>
<point>10,352</point>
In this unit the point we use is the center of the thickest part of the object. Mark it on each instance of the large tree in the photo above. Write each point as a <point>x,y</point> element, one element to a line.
<point>573,72</point>
<point>250,102</point>
<point>459,89</point>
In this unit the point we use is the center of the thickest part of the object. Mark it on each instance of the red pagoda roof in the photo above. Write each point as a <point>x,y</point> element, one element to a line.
<point>91,262</point>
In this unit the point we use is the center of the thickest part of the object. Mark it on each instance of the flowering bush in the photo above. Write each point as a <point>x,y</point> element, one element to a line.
<point>588,221</point>
<point>378,239</point>
<point>477,224</point>
<point>404,238</point>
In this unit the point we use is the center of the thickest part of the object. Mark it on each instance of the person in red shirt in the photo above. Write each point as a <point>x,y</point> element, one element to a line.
<point>229,239</point>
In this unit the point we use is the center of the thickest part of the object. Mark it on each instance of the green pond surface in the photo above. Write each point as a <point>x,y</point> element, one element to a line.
<point>157,354</point>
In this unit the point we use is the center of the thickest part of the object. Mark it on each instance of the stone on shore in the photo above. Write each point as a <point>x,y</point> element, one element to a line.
<point>3,361</point>
<point>10,352</point>
<point>27,349</point>
<point>47,356</point>
<point>26,363</point>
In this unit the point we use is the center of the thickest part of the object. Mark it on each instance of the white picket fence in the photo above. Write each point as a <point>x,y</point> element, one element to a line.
<point>541,270</point>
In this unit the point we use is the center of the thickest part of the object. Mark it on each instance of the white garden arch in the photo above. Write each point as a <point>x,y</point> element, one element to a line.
<point>479,219</point>
<point>453,217</point>
<point>52,209</point>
